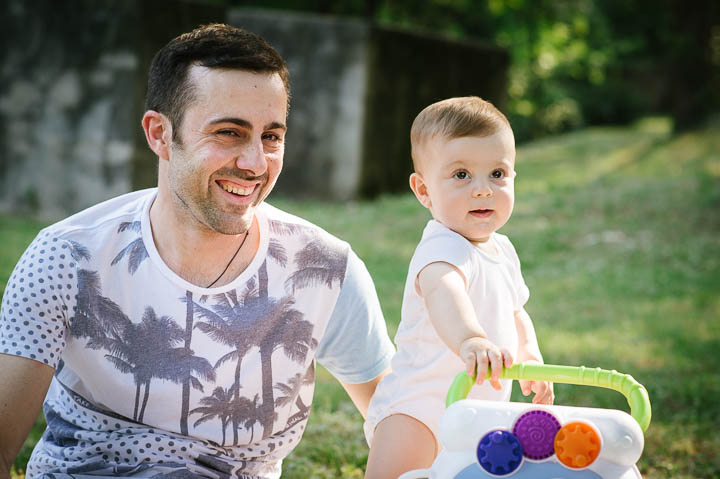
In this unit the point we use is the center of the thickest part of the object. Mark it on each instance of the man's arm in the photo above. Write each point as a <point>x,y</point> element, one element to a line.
<point>362,392</point>
<point>23,385</point>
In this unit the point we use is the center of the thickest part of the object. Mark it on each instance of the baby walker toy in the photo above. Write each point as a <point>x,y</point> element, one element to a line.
<point>493,439</point>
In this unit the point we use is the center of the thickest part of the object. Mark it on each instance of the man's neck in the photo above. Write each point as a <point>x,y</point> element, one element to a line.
<point>195,252</point>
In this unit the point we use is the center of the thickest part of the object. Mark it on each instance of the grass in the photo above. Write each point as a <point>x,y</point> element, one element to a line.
<point>618,230</point>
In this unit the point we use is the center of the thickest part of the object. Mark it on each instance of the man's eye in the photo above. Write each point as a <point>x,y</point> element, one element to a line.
<point>461,175</point>
<point>271,137</point>
<point>227,133</point>
<point>498,174</point>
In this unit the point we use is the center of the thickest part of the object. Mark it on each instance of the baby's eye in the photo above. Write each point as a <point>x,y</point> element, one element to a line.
<point>461,175</point>
<point>497,174</point>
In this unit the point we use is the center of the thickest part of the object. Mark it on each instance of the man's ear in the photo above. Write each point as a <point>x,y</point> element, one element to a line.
<point>418,186</point>
<point>158,133</point>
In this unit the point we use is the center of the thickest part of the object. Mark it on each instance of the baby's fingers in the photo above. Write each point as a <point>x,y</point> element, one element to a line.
<point>482,366</point>
<point>470,364</point>
<point>543,393</point>
<point>496,366</point>
<point>507,358</point>
<point>526,387</point>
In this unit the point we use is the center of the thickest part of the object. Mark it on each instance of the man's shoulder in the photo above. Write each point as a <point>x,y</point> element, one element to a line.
<point>125,208</point>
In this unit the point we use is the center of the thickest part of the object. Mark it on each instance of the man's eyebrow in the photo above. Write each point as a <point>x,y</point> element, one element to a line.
<point>236,121</point>
<point>246,124</point>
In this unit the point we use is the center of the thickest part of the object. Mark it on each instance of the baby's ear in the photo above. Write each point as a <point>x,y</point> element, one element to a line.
<point>418,186</point>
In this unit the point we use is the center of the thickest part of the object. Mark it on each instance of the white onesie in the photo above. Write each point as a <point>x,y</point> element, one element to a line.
<point>423,367</point>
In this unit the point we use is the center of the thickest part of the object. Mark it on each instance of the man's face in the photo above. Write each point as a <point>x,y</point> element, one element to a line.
<point>230,147</point>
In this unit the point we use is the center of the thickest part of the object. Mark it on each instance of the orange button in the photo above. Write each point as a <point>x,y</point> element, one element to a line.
<point>577,445</point>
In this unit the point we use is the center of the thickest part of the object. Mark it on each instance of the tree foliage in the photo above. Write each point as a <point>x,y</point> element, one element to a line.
<point>574,62</point>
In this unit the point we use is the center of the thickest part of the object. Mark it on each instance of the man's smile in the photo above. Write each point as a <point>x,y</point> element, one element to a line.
<point>236,192</point>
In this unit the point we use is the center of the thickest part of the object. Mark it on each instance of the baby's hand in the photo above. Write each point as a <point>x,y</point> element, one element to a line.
<point>543,390</point>
<point>481,353</point>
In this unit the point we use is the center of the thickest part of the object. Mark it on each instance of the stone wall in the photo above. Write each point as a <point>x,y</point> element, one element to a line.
<point>65,130</point>
<point>327,59</point>
<point>72,86</point>
<point>73,82</point>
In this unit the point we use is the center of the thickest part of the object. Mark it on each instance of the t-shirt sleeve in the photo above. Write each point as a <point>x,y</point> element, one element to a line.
<point>356,347</point>
<point>443,246</point>
<point>38,298</point>
<point>523,293</point>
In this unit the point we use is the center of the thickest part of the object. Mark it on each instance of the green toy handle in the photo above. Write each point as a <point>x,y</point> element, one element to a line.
<point>634,392</point>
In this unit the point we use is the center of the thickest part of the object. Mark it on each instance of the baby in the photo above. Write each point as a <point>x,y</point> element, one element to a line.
<point>464,294</point>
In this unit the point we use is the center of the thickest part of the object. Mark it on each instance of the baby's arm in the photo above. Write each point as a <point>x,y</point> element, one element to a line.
<point>529,352</point>
<point>452,315</point>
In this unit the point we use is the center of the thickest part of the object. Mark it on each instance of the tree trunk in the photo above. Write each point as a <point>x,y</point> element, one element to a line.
<point>268,402</point>
<point>145,400</point>
<point>236,400</point>
<point>263,281</point>
<point>137,401</point>
<point>185,407</point>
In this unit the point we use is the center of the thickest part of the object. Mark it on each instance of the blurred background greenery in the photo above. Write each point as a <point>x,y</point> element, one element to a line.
<point>573,62</point>
<point>617,220</point>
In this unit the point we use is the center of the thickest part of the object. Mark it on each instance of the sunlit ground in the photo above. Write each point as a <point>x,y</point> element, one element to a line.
<point>618,230</point>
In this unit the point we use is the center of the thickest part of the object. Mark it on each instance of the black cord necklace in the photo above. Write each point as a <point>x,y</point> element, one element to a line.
<point>231,259</point>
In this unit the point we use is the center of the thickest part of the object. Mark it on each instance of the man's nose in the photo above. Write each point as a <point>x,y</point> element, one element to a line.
<point>252,158</point>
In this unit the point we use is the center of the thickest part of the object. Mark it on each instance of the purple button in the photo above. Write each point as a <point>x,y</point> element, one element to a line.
<point>536,432</point>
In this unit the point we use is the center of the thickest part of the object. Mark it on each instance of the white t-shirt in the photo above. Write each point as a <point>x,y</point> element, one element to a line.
<point>424,367</point>
<point>156,375</point>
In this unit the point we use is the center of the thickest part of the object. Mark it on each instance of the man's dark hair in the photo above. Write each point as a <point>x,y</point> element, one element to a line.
<point>213,46</point>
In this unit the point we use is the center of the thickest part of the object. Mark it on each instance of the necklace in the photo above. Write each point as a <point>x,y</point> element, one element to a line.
<point>231,259</point>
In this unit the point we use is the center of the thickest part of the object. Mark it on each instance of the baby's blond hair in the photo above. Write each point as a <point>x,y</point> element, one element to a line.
<point>455,118</point>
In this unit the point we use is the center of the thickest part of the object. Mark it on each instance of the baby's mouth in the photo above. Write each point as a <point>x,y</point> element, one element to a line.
<point>481,213</point>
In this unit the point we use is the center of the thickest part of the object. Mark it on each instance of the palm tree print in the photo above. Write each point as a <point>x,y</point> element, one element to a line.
<point>278,254</point>
<point>184,365</point>
<point>282,328</point>
<point>291,392</point>
<point>286,229</point>
<point>144,350</point>
<point>218,405</point>
<point>78,251</point>
<point>231,321</point>
<point>185,396</point>
<point>97,316</point>
<point>135,250</point>
<point>247,413</point>
<point>316,265</point>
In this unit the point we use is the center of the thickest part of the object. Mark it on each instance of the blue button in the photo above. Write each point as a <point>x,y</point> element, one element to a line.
<point>499,452</point>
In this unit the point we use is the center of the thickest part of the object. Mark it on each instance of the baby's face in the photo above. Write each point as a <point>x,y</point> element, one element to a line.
<point>468,183</point>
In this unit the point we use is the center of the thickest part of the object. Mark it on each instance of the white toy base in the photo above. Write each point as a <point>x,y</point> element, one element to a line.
<point>488,439</point>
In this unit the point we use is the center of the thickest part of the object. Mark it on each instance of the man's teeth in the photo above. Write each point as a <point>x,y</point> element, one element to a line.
<point>237,189</point>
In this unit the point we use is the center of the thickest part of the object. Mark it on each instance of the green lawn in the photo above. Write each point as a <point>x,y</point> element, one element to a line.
<point>618,230</point>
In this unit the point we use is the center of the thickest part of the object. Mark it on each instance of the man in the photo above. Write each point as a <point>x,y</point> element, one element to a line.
<point>177,328</point>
